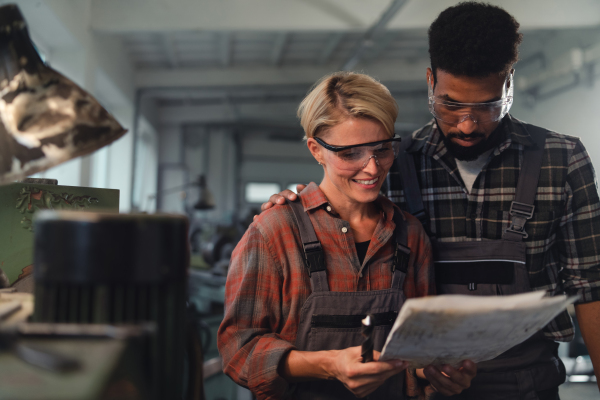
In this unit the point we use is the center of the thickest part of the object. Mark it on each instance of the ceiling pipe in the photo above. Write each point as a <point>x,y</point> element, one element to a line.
<point>368,39</point>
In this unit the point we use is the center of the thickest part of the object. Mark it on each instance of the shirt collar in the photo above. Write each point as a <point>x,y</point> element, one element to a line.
<point>517,131</point>
<point>312,197</point>
<point>428,139</point>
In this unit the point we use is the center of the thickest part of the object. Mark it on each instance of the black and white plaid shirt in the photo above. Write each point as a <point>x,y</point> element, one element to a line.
<point>563,247</point>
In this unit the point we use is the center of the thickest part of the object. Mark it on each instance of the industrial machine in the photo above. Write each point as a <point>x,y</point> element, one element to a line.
<point>118,269</point>
<point>21,202</point>
<point>109,318</point>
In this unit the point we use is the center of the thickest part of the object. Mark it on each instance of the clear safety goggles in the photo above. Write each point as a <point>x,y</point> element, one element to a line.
<point>356,157</point>
<point>454,113</point>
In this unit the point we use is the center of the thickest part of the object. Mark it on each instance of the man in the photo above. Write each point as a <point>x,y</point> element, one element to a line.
<point>468,162</point>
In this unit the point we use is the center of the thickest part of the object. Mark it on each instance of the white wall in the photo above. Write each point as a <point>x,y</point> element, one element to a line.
<point>574,112</point>
<point>282,162</point>
<point>172,172</point>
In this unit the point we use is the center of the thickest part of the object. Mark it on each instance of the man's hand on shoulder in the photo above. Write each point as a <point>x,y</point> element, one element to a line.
<point>280,198</point>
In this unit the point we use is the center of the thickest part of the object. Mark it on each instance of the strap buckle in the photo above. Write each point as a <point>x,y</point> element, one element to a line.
<point>520,213</point>
<point>313,254</point>
<point>401,257</point>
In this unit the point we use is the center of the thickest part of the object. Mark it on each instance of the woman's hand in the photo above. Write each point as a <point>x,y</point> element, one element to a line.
<point>344,365</point>
<point>362,379</point>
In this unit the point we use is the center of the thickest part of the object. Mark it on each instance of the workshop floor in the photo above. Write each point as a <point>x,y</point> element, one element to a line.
<point>579,391</point>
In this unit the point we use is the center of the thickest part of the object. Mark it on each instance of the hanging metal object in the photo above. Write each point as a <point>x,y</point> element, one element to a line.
<point>206,200</point>
<point>45,118</point>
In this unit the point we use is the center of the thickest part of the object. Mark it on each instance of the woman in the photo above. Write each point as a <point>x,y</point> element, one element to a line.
<point>290,325</point>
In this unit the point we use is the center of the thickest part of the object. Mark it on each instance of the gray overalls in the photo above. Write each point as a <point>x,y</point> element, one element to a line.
<point>495,268</point>
<point>332,320</point>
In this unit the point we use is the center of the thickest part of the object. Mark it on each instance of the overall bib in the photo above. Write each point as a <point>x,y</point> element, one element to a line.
<point>332,320</point>
<point>495,268</point>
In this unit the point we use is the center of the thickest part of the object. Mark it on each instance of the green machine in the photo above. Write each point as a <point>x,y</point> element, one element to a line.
<point>19,203</point>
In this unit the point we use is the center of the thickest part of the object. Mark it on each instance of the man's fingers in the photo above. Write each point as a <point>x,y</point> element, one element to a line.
<point>300,187</point>
<point>289,194</point>
<point>267,205</point>
<point>460,377</point>
<point>443,384</point>
<point>449,380</point>
<point>280,198</point>
<point>468,367</point>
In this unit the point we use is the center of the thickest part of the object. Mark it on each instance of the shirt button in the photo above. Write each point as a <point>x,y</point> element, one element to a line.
<point>344,229</point>
<point>329,208</point>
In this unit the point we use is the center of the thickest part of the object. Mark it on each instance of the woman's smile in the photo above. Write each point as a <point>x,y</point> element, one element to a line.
<point>367,183</point>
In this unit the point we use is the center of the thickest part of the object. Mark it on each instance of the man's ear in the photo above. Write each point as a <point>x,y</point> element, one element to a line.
<point>511,72</point>
<point>430,78</point>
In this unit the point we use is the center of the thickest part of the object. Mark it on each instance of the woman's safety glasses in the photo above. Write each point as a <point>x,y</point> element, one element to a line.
<point>357,156</point>
<point>454,113</point>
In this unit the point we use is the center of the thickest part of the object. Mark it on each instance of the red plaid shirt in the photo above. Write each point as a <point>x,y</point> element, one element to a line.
<point>268,283</point>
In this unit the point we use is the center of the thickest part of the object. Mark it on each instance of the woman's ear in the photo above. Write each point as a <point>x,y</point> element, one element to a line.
<point>315,149</point>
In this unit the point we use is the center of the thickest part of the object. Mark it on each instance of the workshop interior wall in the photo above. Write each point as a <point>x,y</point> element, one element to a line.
<point>229,160</point>
<point>572,112</point>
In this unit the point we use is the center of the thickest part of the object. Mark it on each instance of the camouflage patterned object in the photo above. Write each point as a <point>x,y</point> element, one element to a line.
<point>45,119</point>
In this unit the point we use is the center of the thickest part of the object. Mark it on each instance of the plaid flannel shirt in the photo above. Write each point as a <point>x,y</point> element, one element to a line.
<point>563,247</point>
<point>268,283</point>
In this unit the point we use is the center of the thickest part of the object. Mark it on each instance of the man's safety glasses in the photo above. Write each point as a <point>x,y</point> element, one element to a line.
<point>454,113</point>
<point>357,156</point>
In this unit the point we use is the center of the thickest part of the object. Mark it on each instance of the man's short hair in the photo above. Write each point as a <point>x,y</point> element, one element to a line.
<point>474,39</point>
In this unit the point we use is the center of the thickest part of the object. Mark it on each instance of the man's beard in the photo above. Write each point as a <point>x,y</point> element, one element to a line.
<point>471,153</point>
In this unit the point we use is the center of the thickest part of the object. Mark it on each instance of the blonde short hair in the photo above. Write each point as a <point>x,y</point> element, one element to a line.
<point>343,95</point>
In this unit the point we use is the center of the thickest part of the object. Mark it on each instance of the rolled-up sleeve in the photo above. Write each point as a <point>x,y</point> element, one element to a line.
<point>247,339</point>
<point>579,239</point>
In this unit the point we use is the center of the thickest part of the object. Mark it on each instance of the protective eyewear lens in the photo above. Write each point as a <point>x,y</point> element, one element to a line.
<point>454,113</point>
<point>356,157</point>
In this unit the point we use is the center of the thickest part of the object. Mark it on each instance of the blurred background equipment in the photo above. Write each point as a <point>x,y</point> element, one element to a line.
<point>20,202</point>
<point>118,269</point>
<point>205,198</point>
<point>45,119</point>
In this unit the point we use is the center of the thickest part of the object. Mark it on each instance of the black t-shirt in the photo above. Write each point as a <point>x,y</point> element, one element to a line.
<point>361,250</point>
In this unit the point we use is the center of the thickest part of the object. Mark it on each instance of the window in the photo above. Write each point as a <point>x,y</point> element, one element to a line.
<point>257,192</point>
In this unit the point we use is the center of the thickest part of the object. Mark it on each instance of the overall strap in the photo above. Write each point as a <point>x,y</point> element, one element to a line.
<point>313,251</point>
<point>410,184</point>
<point>401,252</point>
<point>521,209</point>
